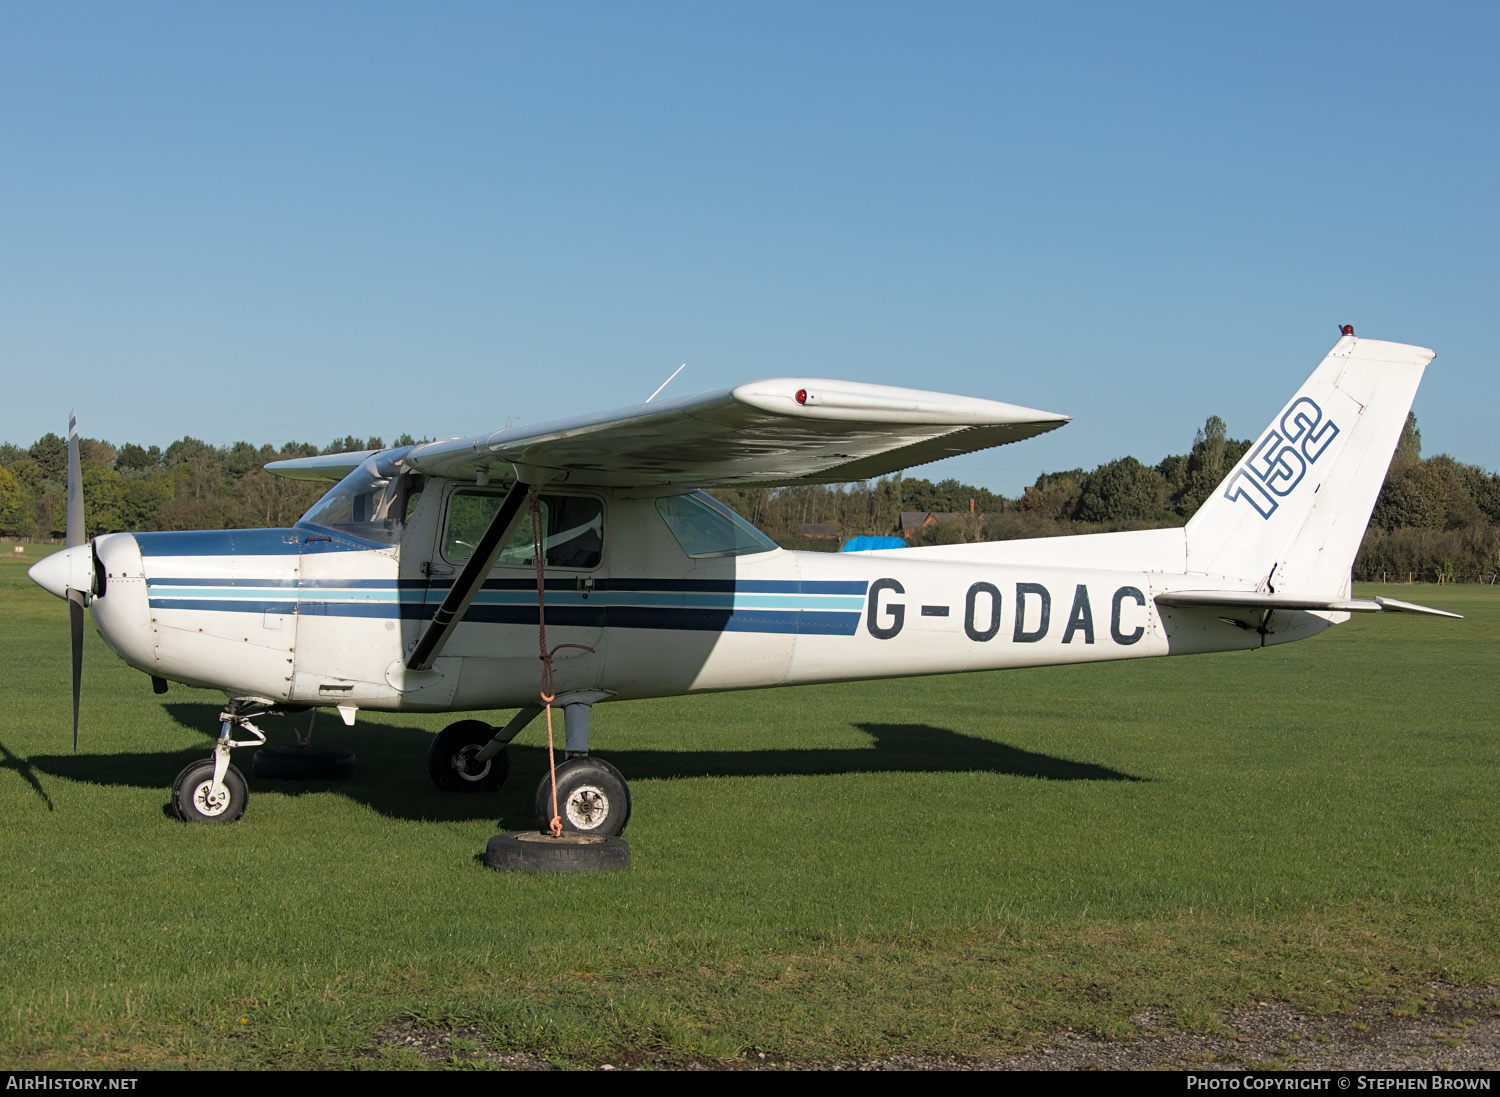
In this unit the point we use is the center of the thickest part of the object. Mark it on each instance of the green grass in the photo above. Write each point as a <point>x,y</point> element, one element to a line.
<point>953,865</point>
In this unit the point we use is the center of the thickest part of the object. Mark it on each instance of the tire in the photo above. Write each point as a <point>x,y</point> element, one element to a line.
<point>447,759</point>
<point>592,798</point>
<point>528,851</point>
<point>302,763</point>
<point>190,801</point>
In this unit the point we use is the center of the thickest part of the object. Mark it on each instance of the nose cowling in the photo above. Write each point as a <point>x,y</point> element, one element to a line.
<point>122,614</point>
<point>70,569</point>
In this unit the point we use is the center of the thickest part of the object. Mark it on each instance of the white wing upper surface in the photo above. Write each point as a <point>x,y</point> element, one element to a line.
<point>759,433</point>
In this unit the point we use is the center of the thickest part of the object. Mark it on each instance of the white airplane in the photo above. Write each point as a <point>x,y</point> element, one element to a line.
<point>414,584</point>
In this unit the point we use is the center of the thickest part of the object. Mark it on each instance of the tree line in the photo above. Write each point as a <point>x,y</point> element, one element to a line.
<point>132,488</point>
<point>1122,494</point>
<point>1436,519</point>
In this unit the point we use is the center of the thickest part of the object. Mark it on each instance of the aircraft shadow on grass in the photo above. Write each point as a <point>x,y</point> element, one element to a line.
<point>392,765</point>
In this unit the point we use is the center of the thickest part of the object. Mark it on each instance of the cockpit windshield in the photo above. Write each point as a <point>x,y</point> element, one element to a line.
<point>373,502</point>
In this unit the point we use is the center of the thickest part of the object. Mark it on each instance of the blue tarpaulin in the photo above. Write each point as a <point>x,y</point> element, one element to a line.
<point>866,544</point>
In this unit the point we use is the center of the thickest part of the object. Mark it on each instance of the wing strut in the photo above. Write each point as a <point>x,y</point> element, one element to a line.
<point>469,580</point>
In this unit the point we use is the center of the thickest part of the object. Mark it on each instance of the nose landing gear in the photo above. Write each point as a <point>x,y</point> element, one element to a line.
<point>212,790</point>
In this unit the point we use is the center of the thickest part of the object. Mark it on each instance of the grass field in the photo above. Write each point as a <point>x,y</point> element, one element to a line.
<point>954,865</point>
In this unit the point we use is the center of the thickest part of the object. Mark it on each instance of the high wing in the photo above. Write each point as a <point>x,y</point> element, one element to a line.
<point>787,430</point>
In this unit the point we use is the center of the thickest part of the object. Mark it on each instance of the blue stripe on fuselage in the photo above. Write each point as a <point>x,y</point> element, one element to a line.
<point>805,622</point>
<point>818,607</point>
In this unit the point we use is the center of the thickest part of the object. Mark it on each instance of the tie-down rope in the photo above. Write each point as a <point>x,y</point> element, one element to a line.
<point>547,690</point>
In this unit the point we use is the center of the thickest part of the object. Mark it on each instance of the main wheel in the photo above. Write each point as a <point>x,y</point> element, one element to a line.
<point>592,798</point>
<point>450,759</point>
<point>194,802</point>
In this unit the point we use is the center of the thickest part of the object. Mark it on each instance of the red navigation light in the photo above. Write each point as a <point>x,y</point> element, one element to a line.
<point>801,396</point>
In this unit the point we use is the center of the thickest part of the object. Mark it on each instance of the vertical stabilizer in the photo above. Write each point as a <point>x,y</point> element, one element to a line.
<point>1291,515</point>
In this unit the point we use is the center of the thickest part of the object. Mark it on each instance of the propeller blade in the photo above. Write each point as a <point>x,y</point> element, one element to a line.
<point>77,535</point>
<point>75,627</point>
<point>75,486</point>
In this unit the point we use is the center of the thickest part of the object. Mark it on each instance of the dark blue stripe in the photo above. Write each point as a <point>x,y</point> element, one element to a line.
<point>805,622</point>
<point>227,606</point>
<point>684,586</point>
<point>743,586</point>
<point>627,586</point>
<point>582,616</point>
<point>222,582</point>
<point>304,584</point>
<point>809,622</point>
<point>364,584</point>
<point>353,609</point>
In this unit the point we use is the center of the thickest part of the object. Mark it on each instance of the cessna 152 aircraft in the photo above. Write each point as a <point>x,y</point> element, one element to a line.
<point>419,582</point>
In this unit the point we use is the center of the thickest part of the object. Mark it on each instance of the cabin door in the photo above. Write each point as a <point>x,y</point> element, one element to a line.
<point>498,639</point>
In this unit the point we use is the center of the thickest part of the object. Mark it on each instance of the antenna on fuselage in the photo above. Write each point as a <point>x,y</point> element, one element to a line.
<point>665,383</point>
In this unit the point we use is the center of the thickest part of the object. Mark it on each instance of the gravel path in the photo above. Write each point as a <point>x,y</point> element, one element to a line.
<point>1457,1029</point>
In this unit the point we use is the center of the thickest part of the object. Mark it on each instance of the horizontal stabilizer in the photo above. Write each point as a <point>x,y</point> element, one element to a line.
<point>1255,599</point>
<point>1411,607</point>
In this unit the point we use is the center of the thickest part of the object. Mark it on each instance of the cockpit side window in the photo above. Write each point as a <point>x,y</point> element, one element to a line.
<point>572,529</point>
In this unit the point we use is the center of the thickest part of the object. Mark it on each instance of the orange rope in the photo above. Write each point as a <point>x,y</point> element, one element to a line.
<point>547,690</point>
<point>556,824</point>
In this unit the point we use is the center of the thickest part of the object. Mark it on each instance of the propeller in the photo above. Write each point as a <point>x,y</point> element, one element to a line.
<point>77,599</point>
<point>74,573</point>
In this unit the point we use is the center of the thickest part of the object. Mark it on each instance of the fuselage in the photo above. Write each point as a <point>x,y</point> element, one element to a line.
<point>316,615</point>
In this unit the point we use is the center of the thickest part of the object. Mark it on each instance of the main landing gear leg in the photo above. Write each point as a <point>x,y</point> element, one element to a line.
<point>213,791</point>
<point>576,729</point>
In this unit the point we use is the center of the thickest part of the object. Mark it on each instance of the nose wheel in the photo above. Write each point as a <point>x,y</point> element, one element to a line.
<point>198,798</point>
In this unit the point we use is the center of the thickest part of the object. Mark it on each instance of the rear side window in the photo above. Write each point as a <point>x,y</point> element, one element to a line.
<point>572,530</point>
<point>705,528</point>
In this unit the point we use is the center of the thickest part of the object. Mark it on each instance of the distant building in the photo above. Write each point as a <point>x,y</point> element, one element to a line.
<point>912,520</point>
<point>820,529</point>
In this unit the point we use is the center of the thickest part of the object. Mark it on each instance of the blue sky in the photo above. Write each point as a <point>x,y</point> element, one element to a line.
<point>298,221</point>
